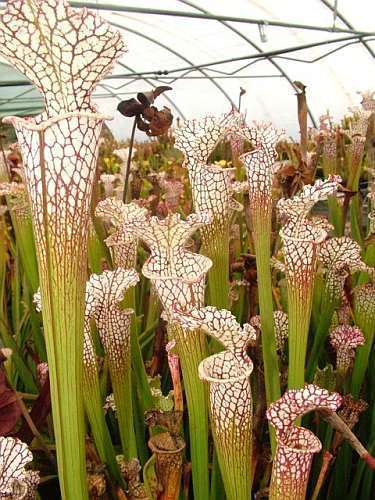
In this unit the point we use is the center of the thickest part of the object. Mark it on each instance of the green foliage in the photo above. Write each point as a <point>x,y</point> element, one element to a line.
<point>150,385</point>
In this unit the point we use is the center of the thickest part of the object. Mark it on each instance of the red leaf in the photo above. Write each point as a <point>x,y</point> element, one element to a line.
<point>39,413</point>
<point>9,407</point>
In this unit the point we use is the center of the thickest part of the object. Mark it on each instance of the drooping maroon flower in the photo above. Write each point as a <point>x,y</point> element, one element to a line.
<point>149,119</point>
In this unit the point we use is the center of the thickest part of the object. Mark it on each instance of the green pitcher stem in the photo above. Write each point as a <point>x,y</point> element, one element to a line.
<point>215,245</point>
<point>336,216</point>
<point>325,319</point>
<point>355,212</point>
<point>153,310</point>
<point>25,241</point>
<point>191,350</point>
<point>143,388</point>
<point>122,392</point>
<point>369,259</point>
<point>95,414</point>
<point>299,310</point>
<point>261,222</point>
<point>366,323</point>
<point>216,486</point>
<point>63,284</point>
<point>62,324</point>
<point>96,253</point>
<point>234,452</point>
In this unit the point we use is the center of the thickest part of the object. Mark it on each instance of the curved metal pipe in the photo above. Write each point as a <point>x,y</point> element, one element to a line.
<point>256,47</point>
<point>174,52</point>
<point>348,24</point>
<point>149,82</point>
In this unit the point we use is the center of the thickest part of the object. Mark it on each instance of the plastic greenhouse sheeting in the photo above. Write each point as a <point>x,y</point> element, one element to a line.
<point>207,50</point>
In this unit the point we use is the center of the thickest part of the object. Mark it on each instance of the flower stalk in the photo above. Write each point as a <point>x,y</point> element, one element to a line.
<point>127,170</point>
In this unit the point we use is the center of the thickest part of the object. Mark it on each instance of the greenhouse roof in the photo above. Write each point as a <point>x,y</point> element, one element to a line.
<point>207,50</point>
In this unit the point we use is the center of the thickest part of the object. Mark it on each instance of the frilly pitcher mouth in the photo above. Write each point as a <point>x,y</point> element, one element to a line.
<point>189,279</point>
<point>32,123</point>
<point>206,369</point>
<point>291,441</point>
<point>319,237</point>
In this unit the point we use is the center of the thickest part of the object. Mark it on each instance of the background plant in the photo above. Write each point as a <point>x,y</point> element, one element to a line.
<point>161,184</point>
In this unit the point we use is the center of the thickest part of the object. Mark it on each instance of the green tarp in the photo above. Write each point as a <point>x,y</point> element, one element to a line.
<point>16,98</point>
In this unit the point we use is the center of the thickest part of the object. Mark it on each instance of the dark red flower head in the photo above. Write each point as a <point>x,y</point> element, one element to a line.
<point>149,118</point>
